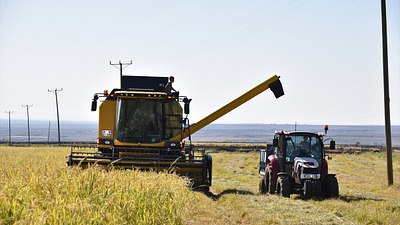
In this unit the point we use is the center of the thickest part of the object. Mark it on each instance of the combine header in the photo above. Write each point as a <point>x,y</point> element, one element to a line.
<point>142,127</point>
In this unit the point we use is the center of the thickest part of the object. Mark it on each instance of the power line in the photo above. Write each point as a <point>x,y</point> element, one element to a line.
<point>58,115</point>
<point>9,126</point>
<point>27,115</point>
<point>120,64</point>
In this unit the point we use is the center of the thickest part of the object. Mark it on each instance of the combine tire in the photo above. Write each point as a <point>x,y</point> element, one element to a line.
<point>208,174</point>
<point>283,186</point>
<point>331,187</point>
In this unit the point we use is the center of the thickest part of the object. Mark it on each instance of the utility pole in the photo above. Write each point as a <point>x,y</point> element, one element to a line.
<point>27,115</point>
<point>48,134</point>
<point>386,95</point>
<point>58,116</point>
<point>120,67</point>
<point>9,126</point>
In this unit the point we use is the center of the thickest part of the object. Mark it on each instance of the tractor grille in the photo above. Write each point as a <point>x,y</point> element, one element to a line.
<point>310,170</point>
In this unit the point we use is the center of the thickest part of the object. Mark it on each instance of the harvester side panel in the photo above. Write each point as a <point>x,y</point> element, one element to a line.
<point>107,118</point>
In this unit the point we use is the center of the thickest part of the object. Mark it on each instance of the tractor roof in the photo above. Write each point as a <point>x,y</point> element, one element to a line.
<point>321,134</point>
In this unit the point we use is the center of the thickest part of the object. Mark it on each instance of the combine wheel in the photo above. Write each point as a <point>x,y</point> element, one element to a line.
<point>283,186</point>
<point>208,174</point>
<point>331,187</point>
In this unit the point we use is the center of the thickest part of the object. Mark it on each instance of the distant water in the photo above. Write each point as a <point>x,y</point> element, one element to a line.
<point>261,133</point>
<point>39,130</point>
<point>342,134</point>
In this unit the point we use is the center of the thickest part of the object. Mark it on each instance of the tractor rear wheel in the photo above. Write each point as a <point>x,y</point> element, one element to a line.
<point>331,187</point>
<point>283,186</point>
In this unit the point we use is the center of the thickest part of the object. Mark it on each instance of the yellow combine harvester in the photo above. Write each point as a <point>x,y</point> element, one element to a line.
<point>142,127</point>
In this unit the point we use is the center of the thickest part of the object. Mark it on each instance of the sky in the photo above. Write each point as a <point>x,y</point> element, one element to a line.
<point>328,54</point>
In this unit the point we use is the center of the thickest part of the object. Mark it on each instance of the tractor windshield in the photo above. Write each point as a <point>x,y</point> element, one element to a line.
<point>139,120</point>
<point>303,145</point>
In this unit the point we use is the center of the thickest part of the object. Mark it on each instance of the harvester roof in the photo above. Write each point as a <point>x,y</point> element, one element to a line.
<point>144,83</point>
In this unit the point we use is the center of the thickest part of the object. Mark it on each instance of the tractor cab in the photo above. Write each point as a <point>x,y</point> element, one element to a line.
<point>296,145</point>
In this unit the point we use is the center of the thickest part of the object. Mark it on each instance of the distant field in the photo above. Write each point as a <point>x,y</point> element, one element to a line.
<point>37,188</point>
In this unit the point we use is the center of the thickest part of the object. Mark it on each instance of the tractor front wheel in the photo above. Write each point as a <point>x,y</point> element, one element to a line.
<point>283,186</point>
<point>331,187</point>
<point>308,189</point>
<point>312,188</point>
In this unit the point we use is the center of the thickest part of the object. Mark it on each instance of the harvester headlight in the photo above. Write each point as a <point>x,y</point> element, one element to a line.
<point>310,176</point>
<point>106,133</point>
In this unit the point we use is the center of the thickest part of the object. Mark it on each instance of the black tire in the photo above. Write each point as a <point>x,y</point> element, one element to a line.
<point>262,186</point>
<point>208,172</point>
<point>331,187</point>
<point>317,188</point>
<point>283,186</point>
<point>271,181</point>
<point>308,189</point>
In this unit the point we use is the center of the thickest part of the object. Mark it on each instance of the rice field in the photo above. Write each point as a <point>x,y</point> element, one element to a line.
<point>36,187</point>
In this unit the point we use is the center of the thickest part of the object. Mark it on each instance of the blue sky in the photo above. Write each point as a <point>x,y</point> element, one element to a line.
<point>328,54</point>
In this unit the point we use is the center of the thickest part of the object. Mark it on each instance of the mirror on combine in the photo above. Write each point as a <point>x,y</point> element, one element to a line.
<point>187,105</point>
<point>332,145</point>
<point>94,103</point>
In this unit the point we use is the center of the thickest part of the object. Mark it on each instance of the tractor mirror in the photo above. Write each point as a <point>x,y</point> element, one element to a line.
<point>94,105</point>
<point>332,145</point>
<point>275,142</point>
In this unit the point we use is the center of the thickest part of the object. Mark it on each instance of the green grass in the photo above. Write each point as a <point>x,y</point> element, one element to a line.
<point>36,187</point>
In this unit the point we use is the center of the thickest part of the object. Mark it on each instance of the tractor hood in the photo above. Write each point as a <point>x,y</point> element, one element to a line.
<point>305,162</point>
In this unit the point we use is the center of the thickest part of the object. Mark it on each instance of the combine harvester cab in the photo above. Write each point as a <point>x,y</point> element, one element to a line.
<point>141,127</point>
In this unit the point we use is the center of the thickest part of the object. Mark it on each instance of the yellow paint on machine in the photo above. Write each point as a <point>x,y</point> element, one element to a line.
<point>107,118</point>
